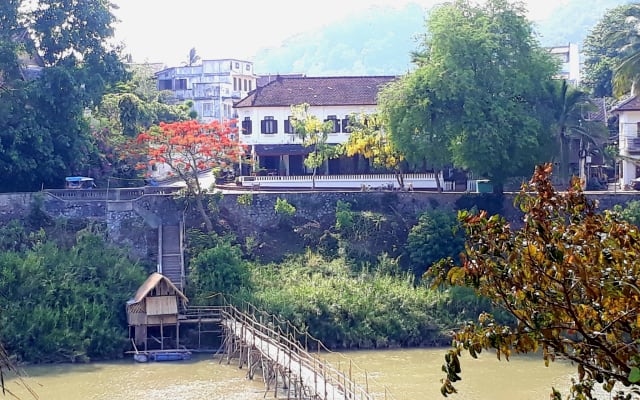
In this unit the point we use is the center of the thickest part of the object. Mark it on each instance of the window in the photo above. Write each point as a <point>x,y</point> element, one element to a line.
<point>246,126</point>
<point>336,123</point>
<point>248,67</point>
<point>238,65</point>
<point>269,125</point>
<point>346,124</point>
<point>180,84</point>
<point>245,85</point>
<point>207,109</point>
<point>250,84</point>
<point>165,84</point>
<point>288,127</point>
<point>235,84</point>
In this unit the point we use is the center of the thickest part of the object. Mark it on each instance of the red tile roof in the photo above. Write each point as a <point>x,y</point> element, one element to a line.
<point>285,91</point>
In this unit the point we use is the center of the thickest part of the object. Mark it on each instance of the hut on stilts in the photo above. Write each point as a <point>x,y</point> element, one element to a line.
<point>152,315</point>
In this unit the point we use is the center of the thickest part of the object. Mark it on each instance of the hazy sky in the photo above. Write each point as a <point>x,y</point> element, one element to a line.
<point>165,30</point>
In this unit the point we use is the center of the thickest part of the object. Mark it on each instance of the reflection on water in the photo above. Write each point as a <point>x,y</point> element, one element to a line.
<point>409,374</point>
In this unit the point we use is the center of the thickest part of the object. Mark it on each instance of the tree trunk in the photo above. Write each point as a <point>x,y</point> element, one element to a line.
<point>564,158</point>
<point>437,176</point>
<point>313,179</point>
<point>400,179</point>
<point>203,212</point>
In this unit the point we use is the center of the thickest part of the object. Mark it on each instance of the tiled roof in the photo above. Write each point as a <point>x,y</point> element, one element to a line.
<point>317,91</point>
<point>630,104</point>
<point>599,113</point>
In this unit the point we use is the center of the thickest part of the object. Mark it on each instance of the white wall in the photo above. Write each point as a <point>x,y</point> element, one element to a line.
<point>628,131</point>
<point>280,114</point>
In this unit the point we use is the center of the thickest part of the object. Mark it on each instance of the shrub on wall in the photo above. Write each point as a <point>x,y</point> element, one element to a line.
<point>435,236</point>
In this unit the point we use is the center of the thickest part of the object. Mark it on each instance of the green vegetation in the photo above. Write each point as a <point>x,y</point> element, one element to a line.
<point>284,208</point>
<point>478,93</point>
<point>216,266</point>
<point>64,304</point>
<point>345,308</point>
<point>630,212</point>
<point>437,235</point>
<point>609,49</point>
<point>246,199</point>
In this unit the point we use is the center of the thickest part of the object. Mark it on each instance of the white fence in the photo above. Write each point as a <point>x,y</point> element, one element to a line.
<point>360,182</point>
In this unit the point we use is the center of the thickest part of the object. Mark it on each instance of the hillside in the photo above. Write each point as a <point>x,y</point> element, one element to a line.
<point>379,41</point>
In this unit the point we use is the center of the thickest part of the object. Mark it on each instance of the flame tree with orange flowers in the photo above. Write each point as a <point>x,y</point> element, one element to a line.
<point>190,148</point>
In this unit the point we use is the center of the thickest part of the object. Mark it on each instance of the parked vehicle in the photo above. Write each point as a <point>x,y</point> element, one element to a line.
<point>79,182</point>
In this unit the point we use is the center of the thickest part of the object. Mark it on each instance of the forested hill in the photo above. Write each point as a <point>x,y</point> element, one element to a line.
<point>379,41</point>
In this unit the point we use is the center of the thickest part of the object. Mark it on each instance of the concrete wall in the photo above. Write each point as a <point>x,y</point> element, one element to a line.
<point>134,224</point>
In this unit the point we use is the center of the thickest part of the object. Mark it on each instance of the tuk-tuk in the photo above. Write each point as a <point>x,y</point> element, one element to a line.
<point>79,182</point>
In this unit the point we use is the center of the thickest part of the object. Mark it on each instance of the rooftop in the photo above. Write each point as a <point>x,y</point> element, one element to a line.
<point>283,91</point>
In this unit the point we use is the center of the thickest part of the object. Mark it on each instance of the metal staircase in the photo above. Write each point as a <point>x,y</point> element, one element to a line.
<point>171,261</point>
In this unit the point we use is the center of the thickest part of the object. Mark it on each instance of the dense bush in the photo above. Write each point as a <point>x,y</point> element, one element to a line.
<point>345,309</point>
<point>630,212</point>
<point>219,269</point>
<point>66,305</point>
<point>435,236</point>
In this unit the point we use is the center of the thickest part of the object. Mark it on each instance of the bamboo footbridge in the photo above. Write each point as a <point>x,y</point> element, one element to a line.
<point>281,353</point>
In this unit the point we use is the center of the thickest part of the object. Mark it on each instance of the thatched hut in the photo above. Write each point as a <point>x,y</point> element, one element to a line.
<point>155,306</point>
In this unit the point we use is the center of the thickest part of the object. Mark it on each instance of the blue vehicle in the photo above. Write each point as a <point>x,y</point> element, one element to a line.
<point>79,182</point>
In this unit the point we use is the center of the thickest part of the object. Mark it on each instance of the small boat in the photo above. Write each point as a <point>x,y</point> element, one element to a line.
<point>171,356</point>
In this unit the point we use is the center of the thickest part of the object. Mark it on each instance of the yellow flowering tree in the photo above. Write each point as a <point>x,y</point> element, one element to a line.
<point>369,139</point>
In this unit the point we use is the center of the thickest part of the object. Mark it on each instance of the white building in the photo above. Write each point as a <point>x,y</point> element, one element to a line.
<point>569,57</point>
<point>263,117</point>
<point>213,86</point>
<point>628,113</point>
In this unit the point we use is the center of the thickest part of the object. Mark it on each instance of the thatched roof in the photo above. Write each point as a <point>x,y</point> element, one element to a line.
<point>152,281</point>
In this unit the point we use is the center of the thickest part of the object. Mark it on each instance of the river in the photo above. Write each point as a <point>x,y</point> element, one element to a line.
<point>408,374</point>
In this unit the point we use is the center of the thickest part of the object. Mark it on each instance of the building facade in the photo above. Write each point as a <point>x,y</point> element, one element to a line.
<point>569,57</point>
<point>264,118</point>
<point>628,112</point>
<point>212,85</point>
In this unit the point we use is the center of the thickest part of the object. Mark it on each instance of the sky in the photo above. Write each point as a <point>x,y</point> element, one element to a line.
<point>165,30</point>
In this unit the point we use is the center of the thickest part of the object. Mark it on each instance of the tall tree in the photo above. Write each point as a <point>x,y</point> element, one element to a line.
<point>71,38</point>
<point>626,76</point>
<point>189,148</point>
<point>569,277</point>
<point>481,74</point>
<point>193,58</point>
<point>75,34</point>
<point>415,126</point>
<point>607,45</point>
<point>570,107</point>
<point>314,133</point>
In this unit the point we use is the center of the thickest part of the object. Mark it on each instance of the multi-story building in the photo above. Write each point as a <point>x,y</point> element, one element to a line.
<point>212,85</point>
<point>628,112</point>
<point>569,57</point>
<point>264,118</point>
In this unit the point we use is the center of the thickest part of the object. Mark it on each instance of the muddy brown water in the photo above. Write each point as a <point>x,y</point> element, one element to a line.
<point>405,374</point>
